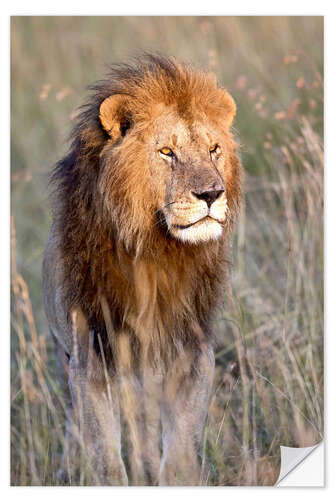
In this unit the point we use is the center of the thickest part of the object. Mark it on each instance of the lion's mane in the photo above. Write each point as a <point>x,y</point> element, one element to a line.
<point>160,289</point>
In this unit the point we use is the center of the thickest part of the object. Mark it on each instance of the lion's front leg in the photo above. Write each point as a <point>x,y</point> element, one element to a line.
<point>97,427</point>
<point>96,411</point>
<point>184,410</point>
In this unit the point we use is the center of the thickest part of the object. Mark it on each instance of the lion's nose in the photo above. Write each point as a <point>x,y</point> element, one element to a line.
<point>210,195</point>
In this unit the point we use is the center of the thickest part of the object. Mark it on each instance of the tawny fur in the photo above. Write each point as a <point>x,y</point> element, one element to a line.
<point>114,252</point>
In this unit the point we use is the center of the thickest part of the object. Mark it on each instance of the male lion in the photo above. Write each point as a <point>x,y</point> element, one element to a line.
<point>135,266</point>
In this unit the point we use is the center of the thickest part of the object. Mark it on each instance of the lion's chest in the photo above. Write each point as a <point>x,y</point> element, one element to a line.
<point>149,295</point>
<point>159,299</point>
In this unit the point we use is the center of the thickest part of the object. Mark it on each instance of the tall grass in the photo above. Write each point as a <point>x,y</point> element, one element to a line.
<point>269,376</point>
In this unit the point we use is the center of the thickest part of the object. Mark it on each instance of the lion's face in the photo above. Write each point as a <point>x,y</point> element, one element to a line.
<point>171,170</point>
<point>187,165</point>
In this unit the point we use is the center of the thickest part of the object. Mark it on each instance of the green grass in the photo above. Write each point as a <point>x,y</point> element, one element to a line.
<point>269,375</point>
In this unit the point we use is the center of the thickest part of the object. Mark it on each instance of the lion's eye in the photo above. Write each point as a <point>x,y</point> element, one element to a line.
<point>166,152</point>
<point>214,149</point>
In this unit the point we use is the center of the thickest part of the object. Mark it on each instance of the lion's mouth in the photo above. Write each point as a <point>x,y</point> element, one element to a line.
<point>179,226</point>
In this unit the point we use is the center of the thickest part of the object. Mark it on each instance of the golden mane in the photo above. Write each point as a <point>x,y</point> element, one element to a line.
<point>105,227</point>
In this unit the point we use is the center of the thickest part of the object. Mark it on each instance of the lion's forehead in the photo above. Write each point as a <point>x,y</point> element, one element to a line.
<point>176,132</point>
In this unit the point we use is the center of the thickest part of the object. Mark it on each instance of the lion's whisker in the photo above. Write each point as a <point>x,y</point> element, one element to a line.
<point>165,206</point>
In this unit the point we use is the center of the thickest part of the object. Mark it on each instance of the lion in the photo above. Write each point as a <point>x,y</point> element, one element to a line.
<point>136,265</point>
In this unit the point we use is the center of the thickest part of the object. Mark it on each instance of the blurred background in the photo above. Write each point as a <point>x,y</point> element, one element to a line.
<point>269,375</point>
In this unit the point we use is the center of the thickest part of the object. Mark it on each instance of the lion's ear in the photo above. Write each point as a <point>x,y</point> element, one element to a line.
<point>115,115</point>
<point>228,107</point>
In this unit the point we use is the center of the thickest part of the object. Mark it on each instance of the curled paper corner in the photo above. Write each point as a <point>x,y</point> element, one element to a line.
<point>307,474</point>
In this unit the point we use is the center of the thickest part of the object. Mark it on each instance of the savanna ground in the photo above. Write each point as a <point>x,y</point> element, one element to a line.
<point>269,374</point>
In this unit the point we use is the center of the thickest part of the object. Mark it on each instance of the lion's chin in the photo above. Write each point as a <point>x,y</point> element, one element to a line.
<point>206,230</point>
